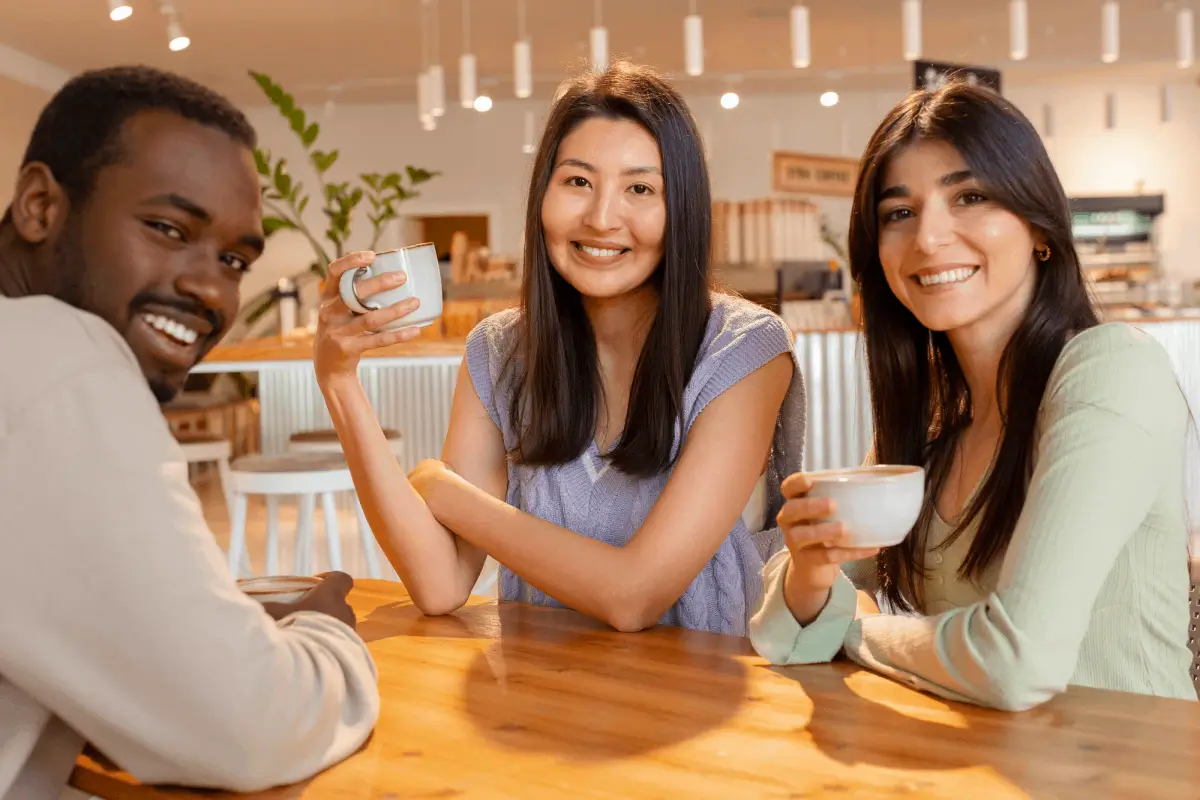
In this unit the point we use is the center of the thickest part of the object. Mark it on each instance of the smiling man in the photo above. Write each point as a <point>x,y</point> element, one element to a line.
<point>135,215</point>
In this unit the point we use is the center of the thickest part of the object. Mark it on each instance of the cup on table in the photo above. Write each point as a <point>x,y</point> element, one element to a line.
<point>878,504</point>
<point>420,263</point>
<point>278,588</point>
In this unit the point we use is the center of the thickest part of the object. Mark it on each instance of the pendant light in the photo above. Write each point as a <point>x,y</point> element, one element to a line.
<point>693,42</point>
<point>1185,34</point>
<point>522,57</point>
<point>1018,29</point>
<point>466,63</point>
<point>1110,31</point>
<point>910,17</point>
<point>801,43</point>
<point>598,38</point>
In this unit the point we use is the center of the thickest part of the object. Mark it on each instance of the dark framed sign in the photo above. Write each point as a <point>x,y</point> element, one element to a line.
<point>933,75</point>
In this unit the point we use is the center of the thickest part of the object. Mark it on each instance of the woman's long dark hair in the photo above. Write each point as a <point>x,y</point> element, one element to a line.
<point>919,397</point>
<point>558,395</point>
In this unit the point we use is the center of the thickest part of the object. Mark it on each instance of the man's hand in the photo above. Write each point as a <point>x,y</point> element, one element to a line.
<point>328,597</point>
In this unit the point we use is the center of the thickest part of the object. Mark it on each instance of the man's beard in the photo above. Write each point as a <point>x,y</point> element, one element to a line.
<point>73,287</point>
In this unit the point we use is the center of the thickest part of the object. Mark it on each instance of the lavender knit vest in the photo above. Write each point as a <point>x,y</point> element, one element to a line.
<point>589,497</point>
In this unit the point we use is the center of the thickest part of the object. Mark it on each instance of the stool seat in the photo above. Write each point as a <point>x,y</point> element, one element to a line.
<point>324,436</point>
<point>291,462</point>
<point>326,441</point>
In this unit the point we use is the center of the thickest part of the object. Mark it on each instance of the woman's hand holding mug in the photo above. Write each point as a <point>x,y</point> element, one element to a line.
<point>359,313</point>
<point>818,547</point>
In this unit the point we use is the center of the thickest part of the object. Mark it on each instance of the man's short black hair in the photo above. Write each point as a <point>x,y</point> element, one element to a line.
<point>79,132</point>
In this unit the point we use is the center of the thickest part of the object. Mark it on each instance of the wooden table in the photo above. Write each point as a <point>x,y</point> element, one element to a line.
<point>514,701</point>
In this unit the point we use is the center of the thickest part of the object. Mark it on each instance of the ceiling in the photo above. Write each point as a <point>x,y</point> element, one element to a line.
<point>370,50</point>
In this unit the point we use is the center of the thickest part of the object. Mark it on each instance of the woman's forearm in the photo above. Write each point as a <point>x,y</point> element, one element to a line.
<point>422,551</point>
<point>588,575</point>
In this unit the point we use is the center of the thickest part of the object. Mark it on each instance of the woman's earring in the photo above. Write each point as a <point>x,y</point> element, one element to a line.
<point>1043,254</point>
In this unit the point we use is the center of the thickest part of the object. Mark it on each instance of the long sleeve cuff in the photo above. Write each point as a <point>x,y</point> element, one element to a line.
<point>779,638</point>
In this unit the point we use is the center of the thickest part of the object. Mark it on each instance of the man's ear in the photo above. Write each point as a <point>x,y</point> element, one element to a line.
<point>39,204</point>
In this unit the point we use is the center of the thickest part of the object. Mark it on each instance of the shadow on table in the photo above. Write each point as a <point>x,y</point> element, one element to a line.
<point>559,683</point>
<point>863,719</point>
<point>405,619</point>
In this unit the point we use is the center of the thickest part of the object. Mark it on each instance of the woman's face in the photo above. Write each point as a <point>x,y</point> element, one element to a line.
<point>952,256</point>
<point>605,212</point>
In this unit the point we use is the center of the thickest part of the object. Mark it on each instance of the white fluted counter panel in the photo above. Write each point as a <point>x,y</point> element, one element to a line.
<point>411,395</point>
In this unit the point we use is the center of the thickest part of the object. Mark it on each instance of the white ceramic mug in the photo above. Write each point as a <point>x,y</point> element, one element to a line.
<point>878,504</point>
<point>278,588</point>
<point>420,263</point>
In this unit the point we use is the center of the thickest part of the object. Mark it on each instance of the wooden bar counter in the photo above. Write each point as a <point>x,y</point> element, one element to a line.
<point>513,701</point>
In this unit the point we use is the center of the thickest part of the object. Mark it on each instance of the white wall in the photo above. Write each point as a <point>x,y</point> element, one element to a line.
<point>485,171</point>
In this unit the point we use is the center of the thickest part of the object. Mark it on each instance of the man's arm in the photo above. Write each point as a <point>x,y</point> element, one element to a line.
<point>120,616</point>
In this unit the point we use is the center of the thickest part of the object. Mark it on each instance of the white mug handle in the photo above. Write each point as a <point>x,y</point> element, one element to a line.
<point>346,288</point>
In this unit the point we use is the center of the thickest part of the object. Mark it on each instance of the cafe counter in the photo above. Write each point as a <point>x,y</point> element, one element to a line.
<point>411,385</point>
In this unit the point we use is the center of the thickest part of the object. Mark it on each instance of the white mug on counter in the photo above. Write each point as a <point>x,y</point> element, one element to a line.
<point>420,263</point>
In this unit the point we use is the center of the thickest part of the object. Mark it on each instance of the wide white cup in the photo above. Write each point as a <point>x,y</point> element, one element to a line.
<point>420,263</point>
<point>278,588</point>
<point>878,504</point>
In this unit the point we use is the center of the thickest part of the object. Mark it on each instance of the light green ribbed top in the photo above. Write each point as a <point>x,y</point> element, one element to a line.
<point>1093,589</point>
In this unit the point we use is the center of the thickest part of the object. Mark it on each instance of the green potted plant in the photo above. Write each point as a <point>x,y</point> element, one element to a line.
<point>285,198</point>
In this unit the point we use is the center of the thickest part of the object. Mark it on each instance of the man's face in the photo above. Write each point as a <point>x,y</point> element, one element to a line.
<point>160,247</point>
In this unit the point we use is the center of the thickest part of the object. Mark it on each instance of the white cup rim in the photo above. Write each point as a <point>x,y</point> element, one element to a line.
<point>402,249</point>
<point>278,584</point>
<point>875,473</point>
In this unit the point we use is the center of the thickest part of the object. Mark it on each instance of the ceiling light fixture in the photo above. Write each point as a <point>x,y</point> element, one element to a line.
<point>730,100</point>
<point>910,13</point>
<point>1018,30</point>
<point>482,103</point>
<point>522,57</point>
<point>1186,33</point>
<point>829,99</point>
<point>599,41</point>
<point>1110,31</point>
<point>693,42</point>
<point>801,43</point>
<point>466,62</point>
<point>119,10</point>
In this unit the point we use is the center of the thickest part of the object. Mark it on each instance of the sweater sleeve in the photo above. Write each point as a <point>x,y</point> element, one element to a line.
<point>122,619</point>
<point>779,638</point>
<point>1112,432</point>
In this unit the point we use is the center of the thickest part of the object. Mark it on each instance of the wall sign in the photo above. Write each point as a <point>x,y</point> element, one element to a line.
<point>933,75</point>
<point>805,174</point>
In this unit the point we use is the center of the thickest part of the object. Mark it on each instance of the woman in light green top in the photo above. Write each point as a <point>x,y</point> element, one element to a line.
<point>1052,545</point>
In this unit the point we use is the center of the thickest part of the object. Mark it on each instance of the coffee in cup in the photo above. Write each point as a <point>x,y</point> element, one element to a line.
<point>278,588</point>
<point>878,504</point>
<point>420,263</point>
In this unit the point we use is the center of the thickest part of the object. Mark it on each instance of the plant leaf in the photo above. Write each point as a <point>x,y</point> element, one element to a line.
<point>262,161</point>
<point>310,134</point>
<point>273,224</point>
<point>417,175</point>
<point>303,204</point>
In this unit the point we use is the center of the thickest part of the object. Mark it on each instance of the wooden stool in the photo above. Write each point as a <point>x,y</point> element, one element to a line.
<point>201,449</point>
<point>326,441</point>
<point>307,475</point>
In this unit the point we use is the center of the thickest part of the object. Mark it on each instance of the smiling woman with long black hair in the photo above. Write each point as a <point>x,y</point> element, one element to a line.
<point>613,441</point>
<point>1052,545</point>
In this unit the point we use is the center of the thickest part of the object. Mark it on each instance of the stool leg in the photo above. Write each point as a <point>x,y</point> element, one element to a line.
<point>304,534</point>
<point>224,481</point>
<point>368,540</point>
<point>272,534</point>
<point>237,533</point>
<point>333,539</point>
